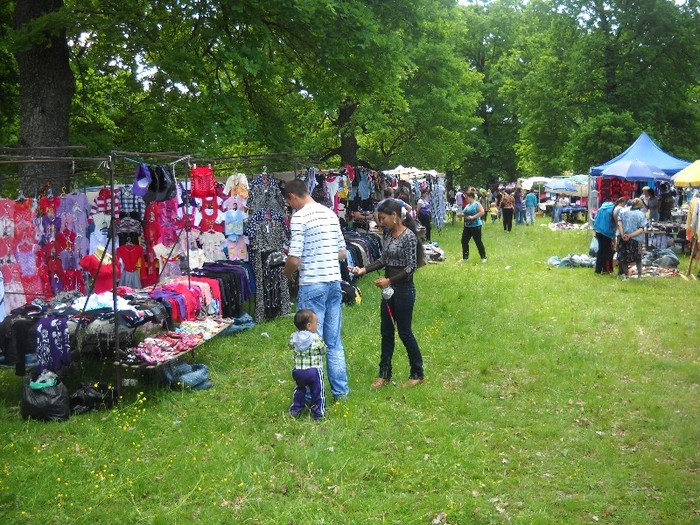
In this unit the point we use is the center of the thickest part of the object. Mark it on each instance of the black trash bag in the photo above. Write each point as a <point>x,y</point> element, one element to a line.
<point>50,403</point>
<point>93,396</point>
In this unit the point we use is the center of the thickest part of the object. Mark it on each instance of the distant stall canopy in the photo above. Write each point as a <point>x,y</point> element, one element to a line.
<point>646,150</point>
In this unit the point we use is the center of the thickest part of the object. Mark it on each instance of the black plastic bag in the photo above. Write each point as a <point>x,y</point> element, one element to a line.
<point>93,396</point>
<point>45,404</point>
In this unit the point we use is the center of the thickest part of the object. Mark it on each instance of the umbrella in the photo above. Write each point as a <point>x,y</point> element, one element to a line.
<point>635,170</point>
<point>535,182</point>
<point>581,183</point>
<point>689,176</point>
<point>561,186</point>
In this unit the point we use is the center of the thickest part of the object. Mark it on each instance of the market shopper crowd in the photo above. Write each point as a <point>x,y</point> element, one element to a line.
<point>317,246</point>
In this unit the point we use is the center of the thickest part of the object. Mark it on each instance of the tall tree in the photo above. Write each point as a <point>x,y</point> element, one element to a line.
<point>46,87</point>
<point>491,28</point>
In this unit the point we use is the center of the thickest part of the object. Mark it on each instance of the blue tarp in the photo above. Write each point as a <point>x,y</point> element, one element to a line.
<point>646,150</point>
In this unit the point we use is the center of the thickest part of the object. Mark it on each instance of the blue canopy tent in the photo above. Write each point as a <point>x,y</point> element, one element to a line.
<point>646,150</point>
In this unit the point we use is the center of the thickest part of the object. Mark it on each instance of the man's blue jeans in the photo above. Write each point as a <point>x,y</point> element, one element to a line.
<point>325,299</point>
<point>530,211</point>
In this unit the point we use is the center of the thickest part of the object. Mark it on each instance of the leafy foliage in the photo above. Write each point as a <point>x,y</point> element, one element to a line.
<point>490,90</point>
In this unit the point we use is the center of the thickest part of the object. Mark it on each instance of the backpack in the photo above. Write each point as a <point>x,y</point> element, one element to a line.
<point>603,221</point>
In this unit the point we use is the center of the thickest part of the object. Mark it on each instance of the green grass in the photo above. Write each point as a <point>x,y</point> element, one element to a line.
<point>553,396</point>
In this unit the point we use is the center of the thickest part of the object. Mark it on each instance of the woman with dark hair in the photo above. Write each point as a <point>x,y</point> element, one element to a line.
<point>423,212</point>
<point>473,212</point>
<point>401,255</point>
<point>507,209</point>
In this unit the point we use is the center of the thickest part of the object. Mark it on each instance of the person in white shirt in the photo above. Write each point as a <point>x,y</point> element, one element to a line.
<point>315,249</point>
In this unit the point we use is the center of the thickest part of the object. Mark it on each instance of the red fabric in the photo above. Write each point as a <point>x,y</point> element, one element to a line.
<point>132,256</point>
<point>203,182</point>
<point>103,279</point>
<point>23,211</point>
<point>65,239</point>
<point>49,203</point>
<point>214,284</point>
<point>210,212</point>
<point>73,280</point>
<point>48,252</point>
<point>191,299</point>
<point>103,203</point>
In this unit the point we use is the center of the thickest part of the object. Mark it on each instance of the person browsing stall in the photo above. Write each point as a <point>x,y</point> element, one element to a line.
<point>401,255</point>
<point>423,212</point>
<point>389,194</point>
<point>315,249</point>
<point>604,226</point>
<point>631,224</point>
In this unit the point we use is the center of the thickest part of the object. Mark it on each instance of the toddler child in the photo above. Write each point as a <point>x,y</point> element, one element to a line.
<point>493,210</point>
<point>308,350</point>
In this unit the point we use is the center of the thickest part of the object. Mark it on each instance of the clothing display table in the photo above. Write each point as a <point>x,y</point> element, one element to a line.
<point>572,212</point>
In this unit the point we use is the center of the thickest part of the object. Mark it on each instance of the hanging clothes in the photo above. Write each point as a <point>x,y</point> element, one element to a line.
<point>268,233</point>
<point>203,183</point>
<point>265,193</point>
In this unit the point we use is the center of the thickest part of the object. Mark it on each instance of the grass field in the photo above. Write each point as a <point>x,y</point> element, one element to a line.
<point>552,396</point>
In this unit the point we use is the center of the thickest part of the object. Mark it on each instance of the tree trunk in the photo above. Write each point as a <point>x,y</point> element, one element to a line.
<point>46,91</point>
<point>348,142</point>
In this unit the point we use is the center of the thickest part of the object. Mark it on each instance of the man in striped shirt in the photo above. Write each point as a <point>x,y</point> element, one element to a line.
<point>315,249</point>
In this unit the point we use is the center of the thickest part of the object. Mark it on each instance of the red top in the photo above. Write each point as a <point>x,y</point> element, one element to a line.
<point>132,257</point>
<point>103,279</point>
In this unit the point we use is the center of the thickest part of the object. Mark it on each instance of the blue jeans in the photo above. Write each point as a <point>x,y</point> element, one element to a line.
<point>530,211</point>
<point>556,213</point>
<point>401,305</point>
<point>325,299</point>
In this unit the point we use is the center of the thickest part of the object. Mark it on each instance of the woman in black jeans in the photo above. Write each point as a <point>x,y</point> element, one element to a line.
<point>402,254</point>
<point>423,212</point>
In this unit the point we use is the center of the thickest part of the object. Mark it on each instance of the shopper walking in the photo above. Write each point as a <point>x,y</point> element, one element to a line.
<point>473,212</point>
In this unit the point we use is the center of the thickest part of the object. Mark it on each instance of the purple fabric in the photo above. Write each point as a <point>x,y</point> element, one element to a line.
<point>313,379</point>
<point>160,293</point>
<point>52,343</point>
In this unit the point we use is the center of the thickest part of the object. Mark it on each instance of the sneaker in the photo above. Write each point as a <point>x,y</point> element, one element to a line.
<point>483,260</point>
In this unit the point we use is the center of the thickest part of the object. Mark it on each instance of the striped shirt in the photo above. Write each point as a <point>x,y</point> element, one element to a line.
<point>316,240</point>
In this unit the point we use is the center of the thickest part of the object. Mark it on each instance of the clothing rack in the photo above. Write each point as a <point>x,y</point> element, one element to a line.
<point>102,162</point>
<point>176,159</point>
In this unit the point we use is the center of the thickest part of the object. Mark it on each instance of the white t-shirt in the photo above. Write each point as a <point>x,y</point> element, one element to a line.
<point>316,239</point>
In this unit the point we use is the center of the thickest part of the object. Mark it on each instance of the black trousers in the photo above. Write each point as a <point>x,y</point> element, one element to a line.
<point>399,310</point>
<point>469,233</point>
<point>604,257</point>
<point>424,220</point>
<point>507,219</point>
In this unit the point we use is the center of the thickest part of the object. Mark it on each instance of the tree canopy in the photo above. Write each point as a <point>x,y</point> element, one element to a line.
<point>489,90</point>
